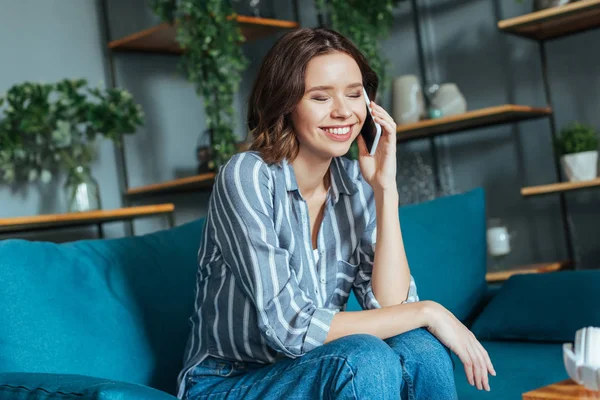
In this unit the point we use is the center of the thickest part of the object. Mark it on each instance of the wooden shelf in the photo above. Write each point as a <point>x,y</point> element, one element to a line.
<point>197,182</point>
<point>49,221</point>
<point>161,38</point>
<point>489,116</point>
<point>501,276</point>
<point>555,22</point>
<point>558,187</point>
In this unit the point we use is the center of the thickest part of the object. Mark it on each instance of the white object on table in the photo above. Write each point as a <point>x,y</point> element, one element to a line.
<point>582,361</point>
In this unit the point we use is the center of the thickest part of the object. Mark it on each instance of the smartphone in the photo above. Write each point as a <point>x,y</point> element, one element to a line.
<point>371,130</point>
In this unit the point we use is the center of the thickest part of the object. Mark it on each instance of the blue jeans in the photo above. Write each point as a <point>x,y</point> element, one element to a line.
<point>413,365</point>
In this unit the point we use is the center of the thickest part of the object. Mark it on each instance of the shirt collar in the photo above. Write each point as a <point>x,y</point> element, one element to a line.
<point>340,180</point>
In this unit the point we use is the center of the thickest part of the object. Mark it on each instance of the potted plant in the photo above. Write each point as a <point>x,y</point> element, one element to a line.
<point>47,128</point>
<point>577,145</point>
<point>213,60</point>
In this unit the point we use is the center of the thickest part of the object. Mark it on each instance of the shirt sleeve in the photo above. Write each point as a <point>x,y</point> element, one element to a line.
<point>366,256</point>
<point>242,210</point>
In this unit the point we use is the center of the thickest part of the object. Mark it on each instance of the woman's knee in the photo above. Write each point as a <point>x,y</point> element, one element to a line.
<point>420,345</point>
<point>368,365</point>
<point>368,352</point>
<point>426,363</point>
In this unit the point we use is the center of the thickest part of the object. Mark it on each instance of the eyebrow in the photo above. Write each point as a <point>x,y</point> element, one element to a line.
<point>352,85</point>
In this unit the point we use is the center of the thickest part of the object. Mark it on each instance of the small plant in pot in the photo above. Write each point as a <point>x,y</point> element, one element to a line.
<point>578,147</point>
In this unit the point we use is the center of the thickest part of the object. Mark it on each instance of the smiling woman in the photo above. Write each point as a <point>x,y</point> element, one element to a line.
<point>292,228</point>
<point>301,78</point>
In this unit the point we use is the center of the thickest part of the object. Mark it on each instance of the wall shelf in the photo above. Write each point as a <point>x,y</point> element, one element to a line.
<point>489,116</point>
<point>197,182</point>
<point>161,38</point>
<point>501,276</point>
<point>555,22</point>
<point>559,187</point>
<point>55,221</point>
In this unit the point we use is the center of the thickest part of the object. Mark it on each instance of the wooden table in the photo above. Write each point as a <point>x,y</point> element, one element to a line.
<point>565,390</point>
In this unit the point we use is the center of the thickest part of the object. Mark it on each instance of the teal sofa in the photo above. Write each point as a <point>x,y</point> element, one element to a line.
<point>108,319</point>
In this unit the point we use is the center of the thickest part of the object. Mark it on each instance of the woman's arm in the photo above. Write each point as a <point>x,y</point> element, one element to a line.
<point>390,278</point>
<point>381,322</point>
<point>395,320</point>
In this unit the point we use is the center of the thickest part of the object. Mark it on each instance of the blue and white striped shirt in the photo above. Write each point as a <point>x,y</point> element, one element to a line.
<point>261,293</point>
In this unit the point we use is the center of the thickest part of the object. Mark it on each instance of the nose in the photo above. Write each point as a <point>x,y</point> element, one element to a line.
<point>341,110</point>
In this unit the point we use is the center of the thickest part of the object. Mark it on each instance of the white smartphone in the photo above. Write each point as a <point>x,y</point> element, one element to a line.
<point>370,135</point>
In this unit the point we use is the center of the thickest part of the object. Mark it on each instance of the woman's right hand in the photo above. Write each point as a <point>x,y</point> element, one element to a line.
<point>461,341</point>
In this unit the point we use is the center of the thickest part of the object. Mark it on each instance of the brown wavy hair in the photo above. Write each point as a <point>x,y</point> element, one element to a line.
<point>279,87</point>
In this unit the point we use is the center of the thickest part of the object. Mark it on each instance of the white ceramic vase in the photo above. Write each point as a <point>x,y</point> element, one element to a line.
<point>449,100</point>
<point>408,101</point>
<point>580,166</point>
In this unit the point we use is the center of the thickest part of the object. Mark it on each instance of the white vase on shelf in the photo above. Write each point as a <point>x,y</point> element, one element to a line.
<point>408,101</point>
<point>449,100</point>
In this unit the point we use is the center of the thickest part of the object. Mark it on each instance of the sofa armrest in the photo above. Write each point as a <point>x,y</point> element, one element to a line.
<point>23,386</point>
<point>544,307</point>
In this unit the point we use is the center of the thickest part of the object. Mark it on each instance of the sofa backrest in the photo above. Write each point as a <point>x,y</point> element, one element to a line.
<point>114,309</point>
<point>445,244</point>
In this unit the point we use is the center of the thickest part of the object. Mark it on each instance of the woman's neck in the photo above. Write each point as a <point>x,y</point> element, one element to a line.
<point>312,176</point>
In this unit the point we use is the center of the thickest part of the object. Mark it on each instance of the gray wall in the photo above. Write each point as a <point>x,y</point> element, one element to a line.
<point>53,39</point>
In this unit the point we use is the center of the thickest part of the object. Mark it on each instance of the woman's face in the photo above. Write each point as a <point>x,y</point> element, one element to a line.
<point>332,111</point>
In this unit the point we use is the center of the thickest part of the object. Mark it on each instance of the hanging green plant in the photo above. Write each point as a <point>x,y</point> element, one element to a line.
<point>366,24</point>
<point>213,60</point>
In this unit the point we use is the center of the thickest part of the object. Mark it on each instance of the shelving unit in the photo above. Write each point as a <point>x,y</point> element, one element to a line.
<point>501,276</point>
<point>544,26</point>
<point>559,187</point>
<point>504,114</point>
<point>541,26</point>
<point>161,38</point>
<point>192,183</point>
<point>555,22</point>
<point>67,220</point>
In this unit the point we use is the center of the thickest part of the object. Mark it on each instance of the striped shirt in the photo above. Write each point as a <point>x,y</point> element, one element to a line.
<point>261,292</point>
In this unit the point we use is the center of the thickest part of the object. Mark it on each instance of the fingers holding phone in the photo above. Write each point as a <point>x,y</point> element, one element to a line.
<point>377,147</point>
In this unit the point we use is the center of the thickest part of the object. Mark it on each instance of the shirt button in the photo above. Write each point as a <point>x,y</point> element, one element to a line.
<point>269,332</point>
<point>322,280</point>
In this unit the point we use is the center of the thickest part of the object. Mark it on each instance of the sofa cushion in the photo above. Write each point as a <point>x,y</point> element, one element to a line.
<point>36,386</point>
<point>520,367</point>
<point>115,309</point>
<point>545,307</point>
<point>445,244</point>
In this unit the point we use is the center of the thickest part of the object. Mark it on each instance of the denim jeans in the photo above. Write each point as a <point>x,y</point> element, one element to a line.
<point>413,365</point>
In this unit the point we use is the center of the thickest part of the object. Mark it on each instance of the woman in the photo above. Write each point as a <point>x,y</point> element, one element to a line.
<point>292,227</point>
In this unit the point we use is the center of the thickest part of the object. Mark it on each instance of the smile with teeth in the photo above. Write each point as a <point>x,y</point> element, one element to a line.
<point>338,131</point>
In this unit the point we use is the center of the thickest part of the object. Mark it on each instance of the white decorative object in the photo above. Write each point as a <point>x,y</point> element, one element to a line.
<point>408,101</point>
<point>583,362</point>
<point>580,166</point>
<point>498,241</point>
<point>449,100</point>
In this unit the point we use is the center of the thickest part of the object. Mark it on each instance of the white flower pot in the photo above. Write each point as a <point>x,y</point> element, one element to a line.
<point>408,100</point>
<point>580,166</point>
